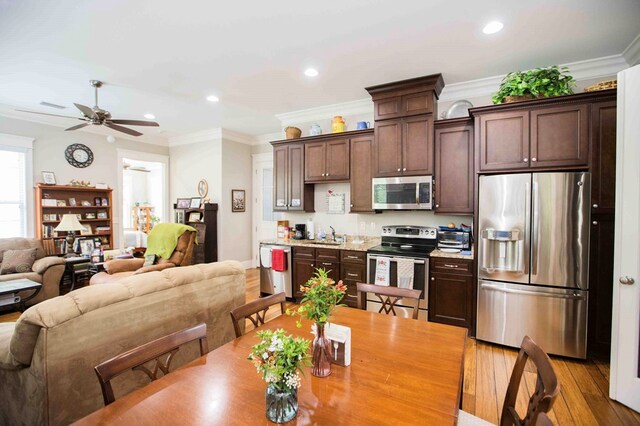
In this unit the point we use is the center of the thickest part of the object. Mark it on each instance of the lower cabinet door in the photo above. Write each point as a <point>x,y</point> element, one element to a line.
<point>303,270</point>
<point>450,299</point>
<point>351,275</point>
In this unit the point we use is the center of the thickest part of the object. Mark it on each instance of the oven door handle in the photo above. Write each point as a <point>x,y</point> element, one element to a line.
<point>395,259</point>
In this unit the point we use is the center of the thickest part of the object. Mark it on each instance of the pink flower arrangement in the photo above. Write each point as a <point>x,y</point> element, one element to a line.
<point>321,295</point>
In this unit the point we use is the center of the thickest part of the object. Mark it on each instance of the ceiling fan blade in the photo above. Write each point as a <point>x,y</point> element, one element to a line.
<point>122,129</point>
<point>79,126</point>
<point>53,115</point>
<point>135,122</point>
<point>86,110</point>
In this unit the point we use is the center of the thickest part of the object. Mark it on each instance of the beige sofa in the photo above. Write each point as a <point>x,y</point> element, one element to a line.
<point>47,270</point>
<point>47,356</point>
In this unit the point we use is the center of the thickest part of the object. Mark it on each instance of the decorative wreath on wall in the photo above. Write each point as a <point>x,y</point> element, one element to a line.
<point>79,155</point>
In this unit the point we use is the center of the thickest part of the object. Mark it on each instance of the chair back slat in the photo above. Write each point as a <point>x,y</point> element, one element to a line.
<point>385,294</point>
<point>546,390</point>
<point>135,358</point>
<point>256,311</point>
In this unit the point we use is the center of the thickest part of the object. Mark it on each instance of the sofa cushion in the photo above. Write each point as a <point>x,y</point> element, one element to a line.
<point>17,261</point>
<point>21,244</point>
<point>40,266</point>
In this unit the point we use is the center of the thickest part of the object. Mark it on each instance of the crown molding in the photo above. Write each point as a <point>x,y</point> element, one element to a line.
<point>632,52</point>
<point>265,138</point>
<point>16,141</point>
<point>201,136</point>
<point>581,70</point>
<point>362,106</point>
<point>238,137</point>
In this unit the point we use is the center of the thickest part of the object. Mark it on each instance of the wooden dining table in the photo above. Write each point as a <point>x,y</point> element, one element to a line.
<point>402,371</point>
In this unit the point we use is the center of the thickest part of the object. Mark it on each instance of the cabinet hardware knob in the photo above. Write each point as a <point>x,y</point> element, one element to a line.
<point>352,275</point>
<point>595,206</point>
<point>327,264</point>
<point>525,159</point>
<point>433,278</point>
<point>448,265</point>
<point>595,222</point>
<point>327,174</point>
<point>352,257</point>
<point>534,159</point>
<point>404,170</point>
<point>322,174</point>
<point>312,265</point>
<point>398,169</point>
<point>351,205</point>
<point>627,280</point>
<point>437,205</point>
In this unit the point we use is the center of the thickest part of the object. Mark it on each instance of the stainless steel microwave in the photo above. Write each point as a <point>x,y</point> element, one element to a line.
<point>402,193</point>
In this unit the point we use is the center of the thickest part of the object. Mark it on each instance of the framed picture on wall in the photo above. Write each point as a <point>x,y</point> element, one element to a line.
<point>183,203</point>
<point>238,203</point>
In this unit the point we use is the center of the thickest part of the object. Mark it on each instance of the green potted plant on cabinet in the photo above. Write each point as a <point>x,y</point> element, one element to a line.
<point>536,83</point>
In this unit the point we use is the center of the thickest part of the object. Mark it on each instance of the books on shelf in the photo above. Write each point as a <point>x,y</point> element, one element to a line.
<point>103,230</point>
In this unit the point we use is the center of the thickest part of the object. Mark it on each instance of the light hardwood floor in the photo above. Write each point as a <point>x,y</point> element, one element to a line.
<point>584,384</point>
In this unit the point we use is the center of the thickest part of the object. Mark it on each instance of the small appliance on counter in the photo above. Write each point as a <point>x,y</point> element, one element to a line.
<point>300,231</point>
<point>454,240</point>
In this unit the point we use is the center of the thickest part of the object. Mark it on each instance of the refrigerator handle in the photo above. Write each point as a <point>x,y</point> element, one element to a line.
<point>535,224</point>
<point>524,247</point>
<point>501,289</point>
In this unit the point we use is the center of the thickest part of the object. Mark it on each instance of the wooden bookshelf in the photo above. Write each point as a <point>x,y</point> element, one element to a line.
<point>48,217</point>
<point>206,251</point>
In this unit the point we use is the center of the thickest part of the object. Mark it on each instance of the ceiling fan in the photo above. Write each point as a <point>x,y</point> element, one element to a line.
<point>98,116</point>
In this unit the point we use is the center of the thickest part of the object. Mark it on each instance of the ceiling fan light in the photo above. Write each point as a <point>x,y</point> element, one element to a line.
<point>213,98</point>
<point>150,116</point>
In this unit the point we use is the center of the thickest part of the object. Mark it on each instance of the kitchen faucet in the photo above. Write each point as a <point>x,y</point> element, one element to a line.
<point>333,233</point>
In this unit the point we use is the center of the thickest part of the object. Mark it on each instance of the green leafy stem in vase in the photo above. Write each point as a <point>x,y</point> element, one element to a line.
<point>280,358</point>
<point>538,82</point>
<point>321,295</point>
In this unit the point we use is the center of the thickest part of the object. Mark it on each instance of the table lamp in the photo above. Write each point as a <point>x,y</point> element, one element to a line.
<point>69,224</point>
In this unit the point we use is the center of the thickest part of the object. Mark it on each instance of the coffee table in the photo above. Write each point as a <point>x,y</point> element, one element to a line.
<point>9,290</point>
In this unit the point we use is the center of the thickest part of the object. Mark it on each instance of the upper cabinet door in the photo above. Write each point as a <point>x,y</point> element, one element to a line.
<point>361,173</point>
<point>560,136</point>
<point>385,108</point>
<point>454,169</point>
<point>387,148</point>
<point>417,145</point>
<point>503,140</point>
<point>280,177</point>
<point>315,161</point>
<point>296,177</point>
<point>603,157</point>
<point>337,160</point>
<point>417,103</point>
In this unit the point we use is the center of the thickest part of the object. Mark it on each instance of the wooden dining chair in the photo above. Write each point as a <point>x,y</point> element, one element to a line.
<point>135,358</point>
<point>542,398</point>
<point>385,293</point>
<point>256,311</point>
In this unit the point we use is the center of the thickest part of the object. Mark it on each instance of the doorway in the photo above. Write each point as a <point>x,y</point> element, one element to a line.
<point>264,218</point>
<point>143,184</point>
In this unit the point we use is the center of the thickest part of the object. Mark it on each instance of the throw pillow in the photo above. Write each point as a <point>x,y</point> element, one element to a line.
<point>17,261</point>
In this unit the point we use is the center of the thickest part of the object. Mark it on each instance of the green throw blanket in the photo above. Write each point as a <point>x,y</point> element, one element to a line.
<point>163,238</point>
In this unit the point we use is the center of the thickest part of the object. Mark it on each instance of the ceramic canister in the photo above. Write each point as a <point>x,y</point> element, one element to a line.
<point>315,130</point>
<point>337,125</point>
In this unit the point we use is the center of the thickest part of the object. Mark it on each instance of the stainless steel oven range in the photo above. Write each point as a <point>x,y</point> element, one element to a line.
<point>401,245</point>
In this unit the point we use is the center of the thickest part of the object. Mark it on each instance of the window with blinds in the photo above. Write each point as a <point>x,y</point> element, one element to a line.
<point>13,202</point>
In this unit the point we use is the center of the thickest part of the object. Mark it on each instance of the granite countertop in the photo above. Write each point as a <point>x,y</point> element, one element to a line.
<point>349,245</point>
<point>440,253</point>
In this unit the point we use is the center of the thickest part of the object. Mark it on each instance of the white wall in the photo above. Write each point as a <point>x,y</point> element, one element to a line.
<point>193,162</point>
<point>235,228</point>
<point>48,155</point>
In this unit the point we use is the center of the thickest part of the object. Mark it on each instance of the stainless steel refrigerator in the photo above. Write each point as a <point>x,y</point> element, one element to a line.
<point>533,259</point>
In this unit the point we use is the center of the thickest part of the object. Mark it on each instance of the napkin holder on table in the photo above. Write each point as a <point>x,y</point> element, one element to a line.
<point>340,337</point>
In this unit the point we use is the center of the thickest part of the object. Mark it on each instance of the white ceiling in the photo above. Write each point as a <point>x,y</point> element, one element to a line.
<point>165,56</point>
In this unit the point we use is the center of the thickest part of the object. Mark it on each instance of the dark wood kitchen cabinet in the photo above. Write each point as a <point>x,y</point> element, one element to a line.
<point>326,160</point>
<point>559,136</point>
<point>290,192</point>
<point>600,284</point>
<point>454,166</point>
<point>305,262</point>
<point>451,289</point>
<point>353,270</point>
<point>361,173</point>
<point>404,147</point>
<point>543,134</point>
<point>603,157</point>
<point>503,140</point>
<point>404,111</point>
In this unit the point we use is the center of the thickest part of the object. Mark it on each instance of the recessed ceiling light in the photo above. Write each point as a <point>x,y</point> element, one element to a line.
<point>149,116</point>
<point>492,27</point>
<point>311,72</point>
<point>213,98</point>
